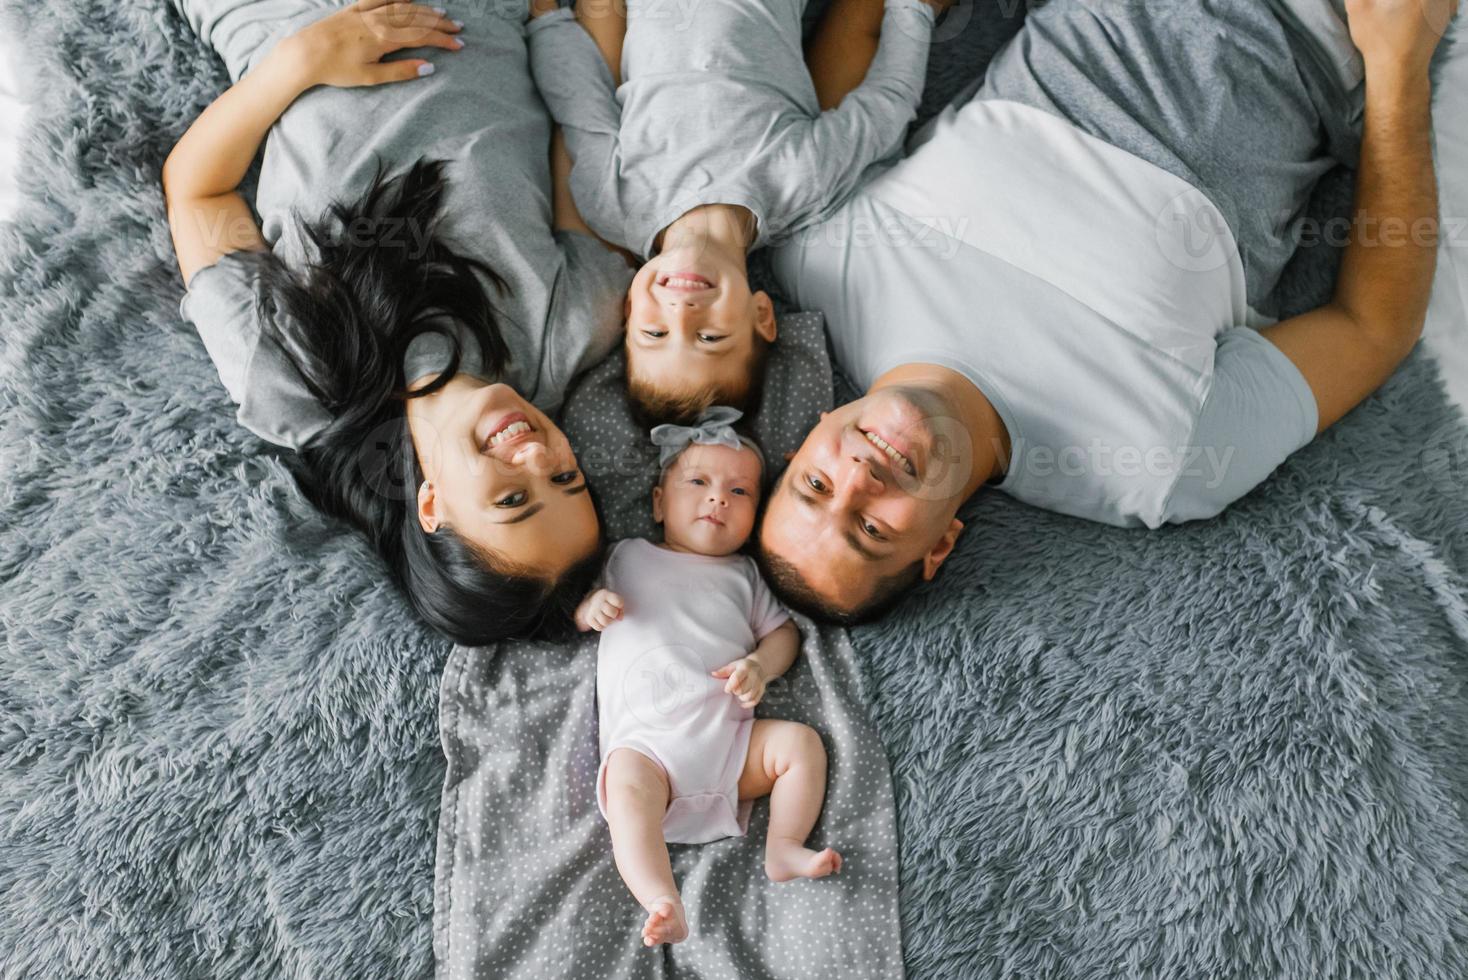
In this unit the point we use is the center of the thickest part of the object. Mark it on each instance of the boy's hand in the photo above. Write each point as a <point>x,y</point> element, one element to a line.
<point>746,680</point>
<point>599,610</point>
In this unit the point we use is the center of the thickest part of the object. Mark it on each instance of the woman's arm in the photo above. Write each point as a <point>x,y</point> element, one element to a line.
<point>1349,347</point>
<point>207,215</point>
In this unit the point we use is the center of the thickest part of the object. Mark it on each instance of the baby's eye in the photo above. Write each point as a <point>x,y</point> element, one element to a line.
<point>697,481</point>
<point>741,491</point>
<point>654,334</point>
<point>561,479</point>
<point>516,499</point>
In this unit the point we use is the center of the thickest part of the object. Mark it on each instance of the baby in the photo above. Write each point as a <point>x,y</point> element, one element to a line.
<point>690,636</point>
<point>713,145</point>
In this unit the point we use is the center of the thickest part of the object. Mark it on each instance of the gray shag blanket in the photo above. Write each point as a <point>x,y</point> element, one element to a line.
<point>1232,749</point>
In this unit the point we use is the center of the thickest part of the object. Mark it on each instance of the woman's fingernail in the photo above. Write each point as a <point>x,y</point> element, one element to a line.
<point>440,10</point>
<point>458,23</point>
<point>425,69</point>
<point>459,41</point>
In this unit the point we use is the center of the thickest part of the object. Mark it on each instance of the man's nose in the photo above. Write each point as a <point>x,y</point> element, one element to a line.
<point>860,479</point>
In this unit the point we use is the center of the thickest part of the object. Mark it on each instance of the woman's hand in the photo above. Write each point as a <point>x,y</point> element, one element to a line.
<point>746,680</point>
<point>346,49</point>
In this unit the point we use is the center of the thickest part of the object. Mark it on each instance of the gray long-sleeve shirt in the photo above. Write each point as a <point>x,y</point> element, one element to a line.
<point>717,107</point>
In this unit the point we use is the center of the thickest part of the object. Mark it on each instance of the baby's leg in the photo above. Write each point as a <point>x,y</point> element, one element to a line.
<point>787,761</point>
<point>637,798</point>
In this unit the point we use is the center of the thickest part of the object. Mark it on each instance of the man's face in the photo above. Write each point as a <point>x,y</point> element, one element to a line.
<point>872,490</point>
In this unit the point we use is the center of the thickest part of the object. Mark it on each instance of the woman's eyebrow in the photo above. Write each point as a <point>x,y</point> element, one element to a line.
<point>525,514</point>
<point>571,491</point>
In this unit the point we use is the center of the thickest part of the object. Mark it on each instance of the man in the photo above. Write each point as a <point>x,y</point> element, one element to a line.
<point>1057,293</point>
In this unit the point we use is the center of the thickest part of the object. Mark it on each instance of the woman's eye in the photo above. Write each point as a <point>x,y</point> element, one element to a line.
<point>516,499</point>
<point>816,484</point>
<point>561,479</point>
<point>709,338</point>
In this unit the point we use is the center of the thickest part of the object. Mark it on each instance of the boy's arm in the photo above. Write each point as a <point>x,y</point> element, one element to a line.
<point>573,78</point>
<point>845,45</point>
<point>872,119</point>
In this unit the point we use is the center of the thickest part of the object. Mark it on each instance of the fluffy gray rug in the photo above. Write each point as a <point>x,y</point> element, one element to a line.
<point>1230,750</point>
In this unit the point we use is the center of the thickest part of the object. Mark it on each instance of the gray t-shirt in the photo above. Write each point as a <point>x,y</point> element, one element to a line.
<point>717,107</point>
<point>1088,239</point>
<point>479,112</point>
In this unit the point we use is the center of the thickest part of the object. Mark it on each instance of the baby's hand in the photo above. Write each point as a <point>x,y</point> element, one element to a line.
<point>599,610</point>
<point>746,680</point>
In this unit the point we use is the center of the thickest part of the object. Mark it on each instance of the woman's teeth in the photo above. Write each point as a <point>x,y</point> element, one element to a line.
<point>892,454</point>
<point>509,432</point>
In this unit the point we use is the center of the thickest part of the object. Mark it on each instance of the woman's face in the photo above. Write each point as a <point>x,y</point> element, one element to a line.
<point>501,474</point>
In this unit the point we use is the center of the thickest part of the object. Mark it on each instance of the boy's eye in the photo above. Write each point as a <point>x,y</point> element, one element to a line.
<point>654,334</point>
<point>516,499</point>
<point>561,479</point>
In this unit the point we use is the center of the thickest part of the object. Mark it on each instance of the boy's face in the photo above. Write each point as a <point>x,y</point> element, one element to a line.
<point>691,322</point>
<point>707,499</point>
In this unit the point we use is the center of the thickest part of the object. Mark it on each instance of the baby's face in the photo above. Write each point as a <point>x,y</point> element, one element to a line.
<point>707,499</point>
<point>692,323</point>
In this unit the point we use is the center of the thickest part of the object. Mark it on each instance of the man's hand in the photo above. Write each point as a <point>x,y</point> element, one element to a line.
<point>746,680</point>
<point>1398,35</point>
<point>599,610</point>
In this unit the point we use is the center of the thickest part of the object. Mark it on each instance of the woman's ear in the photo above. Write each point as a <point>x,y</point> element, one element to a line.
<point>764,316</point>
<point>941,550</point>
<point>657,505</point>
<point>428,517</point>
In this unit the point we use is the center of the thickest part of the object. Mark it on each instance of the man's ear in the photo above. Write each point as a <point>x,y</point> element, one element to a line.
<point>764,316</point>
<point>657,505</point>
<point>941,550</point>
<point>428,516</point>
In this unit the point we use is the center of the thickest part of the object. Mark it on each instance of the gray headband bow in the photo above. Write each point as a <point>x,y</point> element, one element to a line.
<point>715,427</point>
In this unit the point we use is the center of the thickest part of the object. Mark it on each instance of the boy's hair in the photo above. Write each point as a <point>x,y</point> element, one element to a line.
<point>652,406</point>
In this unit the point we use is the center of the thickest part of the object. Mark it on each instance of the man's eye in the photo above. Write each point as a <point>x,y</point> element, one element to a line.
<point>871,530</point>
<point>816,484</point>
<point>516,499</point>
<point>561,479</point>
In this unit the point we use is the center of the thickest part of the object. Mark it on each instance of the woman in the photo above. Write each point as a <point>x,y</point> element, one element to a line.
<point>406,311</point>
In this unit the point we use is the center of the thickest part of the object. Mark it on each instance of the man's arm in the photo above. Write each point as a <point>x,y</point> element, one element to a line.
<point>1347,348</point>
<point>844,45</point>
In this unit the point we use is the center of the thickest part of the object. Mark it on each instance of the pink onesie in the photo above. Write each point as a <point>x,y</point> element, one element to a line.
<point>684,615</point>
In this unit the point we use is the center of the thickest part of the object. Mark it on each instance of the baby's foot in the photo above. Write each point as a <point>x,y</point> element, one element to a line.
<point>665,921</point>
<point>786,859</point>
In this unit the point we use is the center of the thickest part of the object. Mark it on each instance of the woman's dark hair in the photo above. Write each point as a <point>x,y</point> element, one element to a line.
<point>378,276</point>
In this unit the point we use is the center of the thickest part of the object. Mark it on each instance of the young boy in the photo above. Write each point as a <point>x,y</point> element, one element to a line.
<point>714,145</point>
